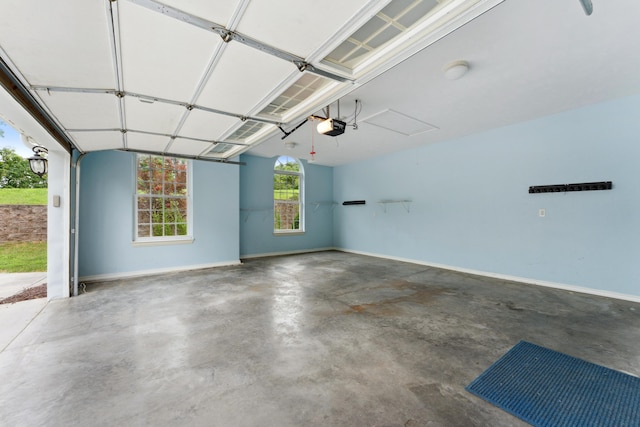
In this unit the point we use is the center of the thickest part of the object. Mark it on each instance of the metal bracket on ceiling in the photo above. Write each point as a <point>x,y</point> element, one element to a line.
<point>21,94</point>
<point>305,66</point>
<point>286,134</point>
<point>185,156</point>
<point>50,89</point>
<point>228,36</point>
<point>152,99</point>
<point>170,136</point>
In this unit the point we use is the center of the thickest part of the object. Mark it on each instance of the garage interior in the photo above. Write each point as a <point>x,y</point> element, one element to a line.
<point>326,338</point>
<point>425,242</point>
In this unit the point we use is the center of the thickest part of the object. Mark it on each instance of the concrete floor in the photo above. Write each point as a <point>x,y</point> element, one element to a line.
<point>13,283</point>
<point>316,339</point>
<point>17,316</point>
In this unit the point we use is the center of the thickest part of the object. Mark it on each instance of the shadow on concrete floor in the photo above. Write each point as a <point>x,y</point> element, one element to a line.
<point>15,317</point>
<point>13,283</point>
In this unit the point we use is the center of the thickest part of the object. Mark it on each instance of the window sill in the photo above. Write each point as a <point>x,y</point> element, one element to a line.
<point>288,233</point>
<point>163,242</point>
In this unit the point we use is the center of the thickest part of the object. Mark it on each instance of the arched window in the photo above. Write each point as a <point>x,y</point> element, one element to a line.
<point>288,195</point>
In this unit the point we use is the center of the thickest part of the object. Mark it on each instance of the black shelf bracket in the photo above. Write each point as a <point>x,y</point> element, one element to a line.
<point>563,188</point>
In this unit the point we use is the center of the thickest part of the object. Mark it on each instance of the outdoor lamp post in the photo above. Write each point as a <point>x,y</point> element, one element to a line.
<point>37,163</point>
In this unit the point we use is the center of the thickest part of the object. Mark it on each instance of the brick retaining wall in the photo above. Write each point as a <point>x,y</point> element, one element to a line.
<point>23,223</point>
<point>287,212</point>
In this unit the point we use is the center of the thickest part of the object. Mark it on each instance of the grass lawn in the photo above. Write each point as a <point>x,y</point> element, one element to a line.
<point>286,194</point>
<point>23,257</point>
<point>23,196</point>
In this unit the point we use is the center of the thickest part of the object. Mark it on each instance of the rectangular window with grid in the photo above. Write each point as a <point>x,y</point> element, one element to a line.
<point>162,198</point>
<point>287,196</point>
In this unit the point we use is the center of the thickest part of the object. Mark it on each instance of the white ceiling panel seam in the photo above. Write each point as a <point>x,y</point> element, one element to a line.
<point>229,35</point>
<point>54,118</point>
<point>164,57</point>
<point>94,130</point>
<point>213,62</point>
<point>114,38</point>
<point>242,79</point>
<point>238,116</point>
<point>238,13</point>
<point>89,110</point>
<point>44,40</point>
<point>154,99</point>
<point>186,156</point>
<point>168,135</point>
<point>123,119</point>
<point>192,74</point>
<point>26,85</point>
<point>13,67</point>
<point>215,58</point>
<point>72,89</point>
<point>116,50</point>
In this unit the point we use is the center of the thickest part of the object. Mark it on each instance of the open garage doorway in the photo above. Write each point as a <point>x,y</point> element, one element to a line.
<point>23,220</point>
<point>14,112</point>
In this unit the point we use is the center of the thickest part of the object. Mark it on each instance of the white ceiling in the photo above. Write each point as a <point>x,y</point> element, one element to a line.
<point>145,76</point>
<point>528,58</point>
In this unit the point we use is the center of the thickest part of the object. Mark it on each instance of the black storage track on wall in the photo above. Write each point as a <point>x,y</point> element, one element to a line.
<point>561,188</point>
<point>353,202</point>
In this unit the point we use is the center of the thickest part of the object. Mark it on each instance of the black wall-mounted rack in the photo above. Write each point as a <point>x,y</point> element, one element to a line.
<point>562,188</point>
<point>353,202</point>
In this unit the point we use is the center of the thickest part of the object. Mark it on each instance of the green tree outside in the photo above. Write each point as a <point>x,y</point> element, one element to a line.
<point>16,173</point>
<point>162,196</point>
<point>286,194</point>
<point>286,187</point>
<point>19,185</point>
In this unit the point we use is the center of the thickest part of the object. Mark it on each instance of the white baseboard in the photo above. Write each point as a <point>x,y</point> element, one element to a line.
<point>302,251</point>
<point>130,274</point>
<point>570,288</point>
<point>555,285</point>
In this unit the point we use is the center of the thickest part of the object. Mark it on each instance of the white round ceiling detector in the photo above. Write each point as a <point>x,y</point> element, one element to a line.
<point>290,145</point>
<point>455,70</point>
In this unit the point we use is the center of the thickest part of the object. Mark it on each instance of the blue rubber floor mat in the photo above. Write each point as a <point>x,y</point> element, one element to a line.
<point>547,388</point>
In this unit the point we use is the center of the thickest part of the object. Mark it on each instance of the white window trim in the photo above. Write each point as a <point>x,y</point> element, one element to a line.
<point>288,233</point>
<point>163,240</point>
<point>301,204</point>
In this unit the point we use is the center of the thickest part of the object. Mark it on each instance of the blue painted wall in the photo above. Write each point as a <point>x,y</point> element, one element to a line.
<point>471,208</point>
<point>256,194</point>
<point>107,188</point>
